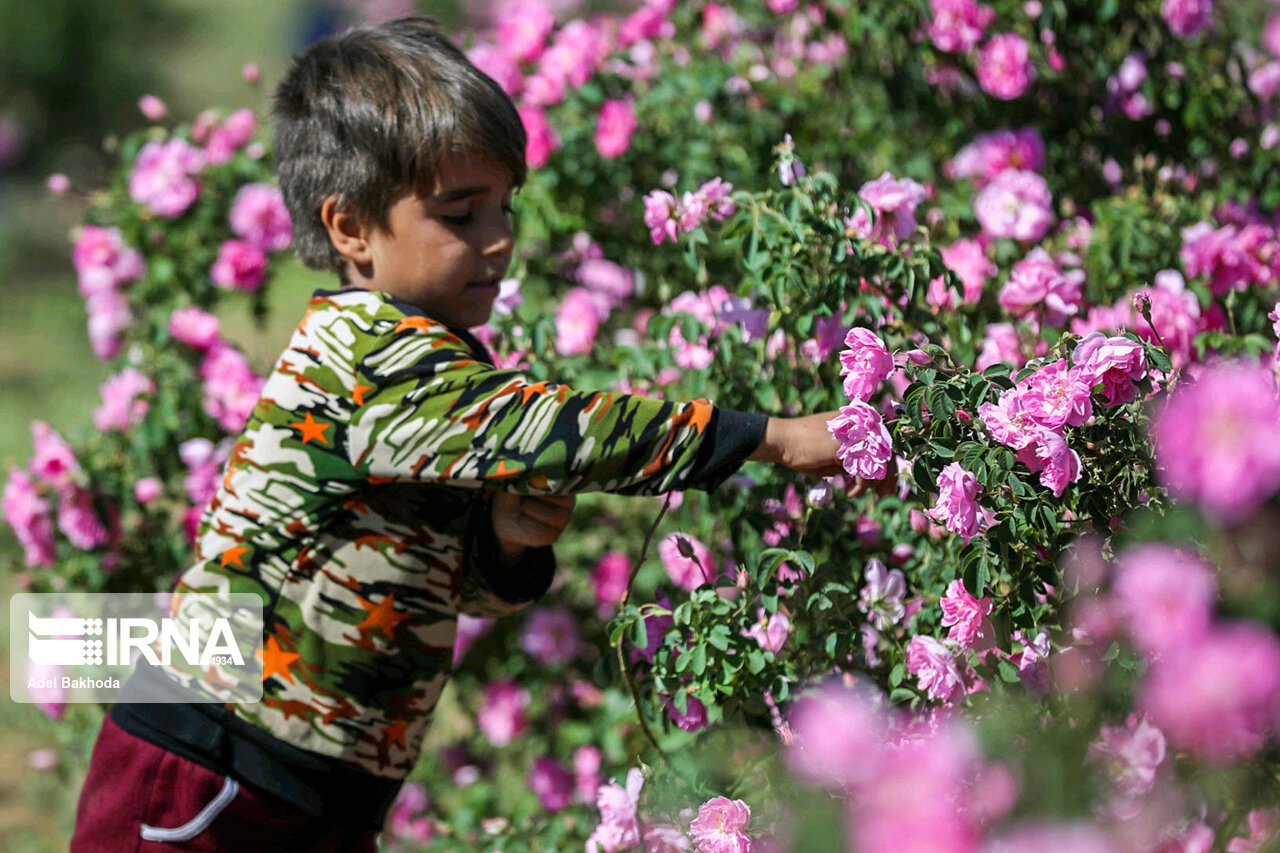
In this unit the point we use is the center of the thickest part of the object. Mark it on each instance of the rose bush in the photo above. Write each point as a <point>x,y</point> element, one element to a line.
<point>1027,251</point>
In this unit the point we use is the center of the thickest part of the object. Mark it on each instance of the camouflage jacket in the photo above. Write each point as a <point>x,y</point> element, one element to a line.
<point>356,504</point>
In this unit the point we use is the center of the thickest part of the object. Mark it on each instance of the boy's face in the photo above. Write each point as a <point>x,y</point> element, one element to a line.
<point>447,252</point>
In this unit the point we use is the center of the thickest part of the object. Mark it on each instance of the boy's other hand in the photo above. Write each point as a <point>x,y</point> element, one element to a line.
<point>528,521</point>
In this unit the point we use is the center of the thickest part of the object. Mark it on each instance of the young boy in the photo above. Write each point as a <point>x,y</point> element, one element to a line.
<point>390,477</point>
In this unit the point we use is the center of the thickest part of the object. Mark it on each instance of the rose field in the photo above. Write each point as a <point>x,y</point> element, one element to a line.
<point>1028,251</point>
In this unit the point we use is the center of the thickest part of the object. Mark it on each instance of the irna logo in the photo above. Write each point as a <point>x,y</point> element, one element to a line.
<point>71,641</point>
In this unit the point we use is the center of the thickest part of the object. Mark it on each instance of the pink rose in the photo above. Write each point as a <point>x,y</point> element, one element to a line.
<point>967,617</point>
<point>865,445</point>
<point>936,668</point>
<point>499,65</point>
<point>501,719</point>
<point>163,179</point>
<point>578,320</point>
<point>688,562</point>
<point>523,30</point>
<point>970,263</point>
<point>542,138</point>
<point>881,596</point>
<point>1165,595</point>
<point>614,126</point>
<point>239,266</point>
<point>721,826</point>
<point>1056,396</point>
<point>864,363</point>
<point>619,827</point>
<point>1056,463</point>
<point>1219,696</point>
<point>1004,67</point>
<point>53,460</point>
<point>259,217</point>
<point>770,631</point>
<point>1214,440</point>
<point>989,154</point>
<point>1015,204</point>
<point>147,489</point>
<point>121,407</point>
<point>550,636</point>
<point>1009,421</point>
<point>1037,284</point>
<point>957,507</point>
<point>1001,344</point>
<point>958,25</point>
<point>552,783</point>
<point>27,513</point>
<point>194,327</point>
<point>610,577</point>
<point>894,201</point>
<point>694,716</point>
<point>109,317</point>
<point>78,520</point>
<point>1187,17</point>
<point>1117,362</point>
<point>103,261</point>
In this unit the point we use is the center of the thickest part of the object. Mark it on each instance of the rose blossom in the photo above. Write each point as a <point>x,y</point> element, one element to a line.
<point>989,154</point>
<point>1214,440</point>
<point>614,126</point>
<point>1016,204</point>
<point>1218,697</point>
<point>1001,344</point>
<point>52,460</point>
<point>1117,362</point>
<point>1165,596</point>
<point>406,820</point>
<point>103,261</point>
<point>550,636</point>
<point>522,32</point>
<point>78,520</point>
<point>147,489</point>
<point>865,445</point>
<point>239,266</point>
<point>770,631</point>
<point>936,668</point>
<point>970,263</point>
<point>663,838</point>
<point>864,363</point>
<point>1187,17</point>
<point>1056,463</point>
<point>501,719</point>
<point>162,177</point>
<point>957,507</point>
<point>1004,66</point>
<point>1009,421</point>
<point>499,65</point>
<point>552,783</point>
<point>1056,396</point>
<point>894,201</point>
<point>881,597</point>
<point>958,25</point>
<point>109,317</point>
<point>28,515</point>
<point>121,407</point>
<point>619,827</point>
<point>542,137</point>
<point>578,320</point>
<point>259,217</point>
<point>1264,827</point>
<point>194,327</point>
<point>688,562</point>
<point>967,617</point>
<point>1037,284</point>
<point>720,826</point>
<point>1130,755</point>
<point>694,716</point>
<point>610,577</point>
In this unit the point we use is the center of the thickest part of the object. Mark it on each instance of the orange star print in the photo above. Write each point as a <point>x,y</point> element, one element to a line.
<point>311,429</point>
<point>275,660</point>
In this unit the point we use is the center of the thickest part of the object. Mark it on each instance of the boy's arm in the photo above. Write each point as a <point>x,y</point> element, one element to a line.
<point>429,410</point>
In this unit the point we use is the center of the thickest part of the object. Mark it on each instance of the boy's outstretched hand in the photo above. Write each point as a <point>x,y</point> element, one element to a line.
<point>528,521</point>
<point>804,444</point>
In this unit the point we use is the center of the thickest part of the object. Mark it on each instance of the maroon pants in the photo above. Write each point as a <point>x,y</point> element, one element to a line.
<point>141,798</point>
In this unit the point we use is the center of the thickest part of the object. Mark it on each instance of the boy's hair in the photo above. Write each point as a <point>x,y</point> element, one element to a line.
<point>375,111</point>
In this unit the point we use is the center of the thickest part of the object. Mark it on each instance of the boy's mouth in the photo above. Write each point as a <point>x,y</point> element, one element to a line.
<point>485,284</point>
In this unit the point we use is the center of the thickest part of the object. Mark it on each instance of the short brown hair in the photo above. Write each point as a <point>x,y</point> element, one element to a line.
<point>375,111</point>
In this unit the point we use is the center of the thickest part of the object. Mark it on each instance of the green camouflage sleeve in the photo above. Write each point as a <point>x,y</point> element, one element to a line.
<point>429,409</point>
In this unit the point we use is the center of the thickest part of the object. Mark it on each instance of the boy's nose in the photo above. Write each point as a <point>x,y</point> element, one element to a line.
<point>500,238</point>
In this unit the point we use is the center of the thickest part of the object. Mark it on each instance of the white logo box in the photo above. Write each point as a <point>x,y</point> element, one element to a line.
<point>86,647</point>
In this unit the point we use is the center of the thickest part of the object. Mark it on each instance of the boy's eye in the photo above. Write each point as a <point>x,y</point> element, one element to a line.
<point>459,219</point>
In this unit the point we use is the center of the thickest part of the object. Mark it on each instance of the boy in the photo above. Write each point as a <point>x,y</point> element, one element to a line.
<point>390,477</point>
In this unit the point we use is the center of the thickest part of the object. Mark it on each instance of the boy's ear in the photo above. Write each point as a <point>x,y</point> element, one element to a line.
<point>346,232</point>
